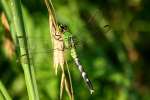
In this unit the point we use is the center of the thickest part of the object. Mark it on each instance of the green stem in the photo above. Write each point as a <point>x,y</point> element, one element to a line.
<point>3,92</point>
<point>24,53</point>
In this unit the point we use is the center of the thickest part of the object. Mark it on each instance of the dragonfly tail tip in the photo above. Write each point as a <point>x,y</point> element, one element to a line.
<point>91,91</point>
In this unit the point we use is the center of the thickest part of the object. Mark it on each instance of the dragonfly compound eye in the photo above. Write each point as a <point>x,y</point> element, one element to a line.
<point>63,28</point>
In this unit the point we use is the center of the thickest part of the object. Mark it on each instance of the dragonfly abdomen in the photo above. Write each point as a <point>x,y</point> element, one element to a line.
<point>83,73</point>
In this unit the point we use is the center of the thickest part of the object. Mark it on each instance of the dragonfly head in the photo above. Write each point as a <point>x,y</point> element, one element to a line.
<point>63,28</point>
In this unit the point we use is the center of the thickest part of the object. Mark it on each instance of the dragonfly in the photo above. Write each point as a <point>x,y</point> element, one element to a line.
<point>61,34</point>
<point>62,38</point>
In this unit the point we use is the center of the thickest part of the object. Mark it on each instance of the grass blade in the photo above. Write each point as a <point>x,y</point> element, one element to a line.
<point>24,53</point>
<point>3,92</point>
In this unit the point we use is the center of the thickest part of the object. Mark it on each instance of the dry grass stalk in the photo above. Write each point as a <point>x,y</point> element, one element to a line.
<point>58,55</point>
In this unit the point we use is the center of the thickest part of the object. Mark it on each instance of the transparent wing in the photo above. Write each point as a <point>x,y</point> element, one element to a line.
<point>39,45</point>
<point>40,51</point>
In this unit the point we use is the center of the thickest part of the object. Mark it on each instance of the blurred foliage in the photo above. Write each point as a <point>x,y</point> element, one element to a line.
<point>113,46</point>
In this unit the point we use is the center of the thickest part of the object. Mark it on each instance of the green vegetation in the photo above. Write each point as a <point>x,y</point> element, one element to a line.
<point>113,46</point>
<point>3,93</point>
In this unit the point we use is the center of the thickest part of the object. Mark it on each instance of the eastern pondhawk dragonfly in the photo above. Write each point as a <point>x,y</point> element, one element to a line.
<point>62,38</point>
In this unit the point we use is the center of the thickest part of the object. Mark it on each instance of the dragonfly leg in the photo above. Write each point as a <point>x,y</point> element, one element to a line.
<point>58,37</point>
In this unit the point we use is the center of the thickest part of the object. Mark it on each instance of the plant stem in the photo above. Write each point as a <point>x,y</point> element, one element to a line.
<point>4,92</point>
<point>24,53</point>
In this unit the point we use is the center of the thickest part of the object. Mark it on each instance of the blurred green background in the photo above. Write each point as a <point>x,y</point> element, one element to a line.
<point>113,46</point>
